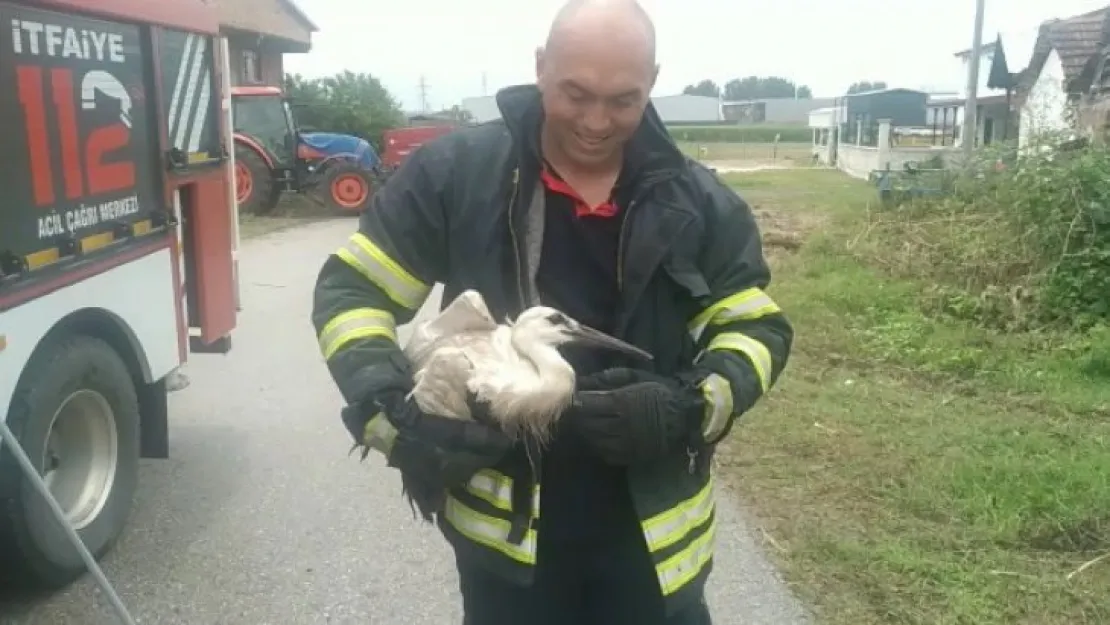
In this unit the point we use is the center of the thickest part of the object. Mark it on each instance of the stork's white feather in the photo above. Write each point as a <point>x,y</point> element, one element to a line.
<point>514,367</point>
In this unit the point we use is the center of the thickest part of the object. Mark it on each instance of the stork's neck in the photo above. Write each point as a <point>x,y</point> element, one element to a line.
<point>551,367</point>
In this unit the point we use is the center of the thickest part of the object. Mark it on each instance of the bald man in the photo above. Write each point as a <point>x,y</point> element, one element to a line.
<point>577,199</point>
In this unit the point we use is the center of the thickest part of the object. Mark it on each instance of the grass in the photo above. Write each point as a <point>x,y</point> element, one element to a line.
<point>909,470</point>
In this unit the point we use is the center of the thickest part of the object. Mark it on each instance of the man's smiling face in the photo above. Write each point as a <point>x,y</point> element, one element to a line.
<point>596,76</point>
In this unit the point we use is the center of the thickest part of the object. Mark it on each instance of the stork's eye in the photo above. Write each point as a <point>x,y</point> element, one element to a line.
<point>557,319</point>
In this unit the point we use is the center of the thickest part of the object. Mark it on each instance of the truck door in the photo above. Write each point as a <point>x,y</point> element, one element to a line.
<point>198,180</point>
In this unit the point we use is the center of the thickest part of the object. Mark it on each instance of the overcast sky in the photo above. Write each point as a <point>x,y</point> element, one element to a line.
<point>826,44</point>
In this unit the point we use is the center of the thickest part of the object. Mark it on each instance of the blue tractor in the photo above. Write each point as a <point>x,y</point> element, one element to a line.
<point>273,156</point>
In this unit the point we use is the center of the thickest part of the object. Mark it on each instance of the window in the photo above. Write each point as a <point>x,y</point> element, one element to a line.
<point>251,70</point>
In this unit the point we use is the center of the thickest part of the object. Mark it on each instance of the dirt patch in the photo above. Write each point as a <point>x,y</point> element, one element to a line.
<point>292,211</point>
<point>786,203</point>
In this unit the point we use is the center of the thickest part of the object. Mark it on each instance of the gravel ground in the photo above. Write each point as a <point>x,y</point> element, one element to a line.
<point>260,517</point>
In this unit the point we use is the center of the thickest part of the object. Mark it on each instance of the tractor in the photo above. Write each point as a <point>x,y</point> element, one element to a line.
<point>272,155</point>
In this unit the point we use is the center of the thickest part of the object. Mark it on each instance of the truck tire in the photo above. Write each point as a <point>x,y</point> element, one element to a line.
<point>76,413</point>
<point>255,188</point>
<point>347,188</point>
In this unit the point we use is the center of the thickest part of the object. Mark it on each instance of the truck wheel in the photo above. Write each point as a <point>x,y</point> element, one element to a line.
<point>76,413</point>
<point>347,187</point>
<point>255,188</point>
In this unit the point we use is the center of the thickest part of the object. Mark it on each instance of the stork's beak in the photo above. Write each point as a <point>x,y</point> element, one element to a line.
<point>585,335</point>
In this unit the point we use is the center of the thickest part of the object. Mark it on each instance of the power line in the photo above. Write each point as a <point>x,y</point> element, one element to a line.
<point>422,88</point>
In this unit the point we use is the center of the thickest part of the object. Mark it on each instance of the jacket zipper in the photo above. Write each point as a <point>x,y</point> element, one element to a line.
<point>647,185</point>
<point>533,462</point>
<point>516,244</point>
<point>620,247</point>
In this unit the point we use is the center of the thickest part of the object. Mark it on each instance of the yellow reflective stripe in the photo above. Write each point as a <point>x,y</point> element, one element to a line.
<point>718,405</point>
<point>746,305</point>
<point>677,570</point>
<point>756,352</point>
<point>667,528</point>
<point>369,260</point>
<point>497,490</point>
<point>488,531</point>
<point>379,434</point>
<point>360,323</point>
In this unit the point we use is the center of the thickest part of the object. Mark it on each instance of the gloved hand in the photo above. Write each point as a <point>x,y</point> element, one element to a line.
<point>628,416</point>
<point>435,453</point>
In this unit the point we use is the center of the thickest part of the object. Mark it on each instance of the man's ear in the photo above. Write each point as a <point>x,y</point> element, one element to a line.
<point>539,64</point>
<point>655,76</point>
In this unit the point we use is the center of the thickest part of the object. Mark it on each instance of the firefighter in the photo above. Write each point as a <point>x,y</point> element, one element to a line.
<point>578,199</point>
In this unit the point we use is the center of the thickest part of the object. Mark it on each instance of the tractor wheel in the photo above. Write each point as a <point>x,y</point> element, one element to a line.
<point>255,188</point>
<point>347,187</point>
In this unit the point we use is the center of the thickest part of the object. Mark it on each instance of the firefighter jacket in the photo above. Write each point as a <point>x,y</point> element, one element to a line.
<point>466,210</point>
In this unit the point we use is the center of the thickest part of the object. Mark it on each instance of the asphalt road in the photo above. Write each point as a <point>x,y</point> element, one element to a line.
<point>261,518</point>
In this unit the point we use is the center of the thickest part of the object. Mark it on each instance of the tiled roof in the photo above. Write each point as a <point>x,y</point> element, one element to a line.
<point>1076,40</point>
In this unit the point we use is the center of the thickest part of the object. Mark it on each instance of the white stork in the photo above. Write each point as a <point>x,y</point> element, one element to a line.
<point>515,367</point>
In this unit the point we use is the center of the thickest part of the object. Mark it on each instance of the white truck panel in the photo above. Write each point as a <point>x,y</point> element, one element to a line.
<point>139,293</point>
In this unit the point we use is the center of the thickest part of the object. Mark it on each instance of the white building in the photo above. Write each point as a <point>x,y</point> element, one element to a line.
<point>1062,53</point>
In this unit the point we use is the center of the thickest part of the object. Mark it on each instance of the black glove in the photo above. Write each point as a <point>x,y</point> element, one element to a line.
<point>628,416</point>
<point>435,453</point>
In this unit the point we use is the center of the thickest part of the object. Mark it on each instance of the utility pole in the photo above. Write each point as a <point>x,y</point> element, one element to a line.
<point>484,84</point>
<point>971,105</point>
<point>423,90</point>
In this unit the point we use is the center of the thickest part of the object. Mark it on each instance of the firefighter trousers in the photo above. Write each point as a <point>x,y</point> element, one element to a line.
<point>576,584</point>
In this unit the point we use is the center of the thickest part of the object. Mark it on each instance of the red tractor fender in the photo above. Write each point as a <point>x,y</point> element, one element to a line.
<point>250,143</point>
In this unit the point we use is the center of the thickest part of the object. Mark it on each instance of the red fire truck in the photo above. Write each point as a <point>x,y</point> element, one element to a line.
<point>117,232</point>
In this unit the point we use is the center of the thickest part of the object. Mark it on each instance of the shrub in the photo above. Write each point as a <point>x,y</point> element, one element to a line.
<point>1020,243</point>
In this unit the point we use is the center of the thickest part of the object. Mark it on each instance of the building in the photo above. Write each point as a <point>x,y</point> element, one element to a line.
<point>773,110</point>
<point>824,122</point>
<point>688,109</point>
<point>1066,66</point>
<point>673,109</point>
<point>944,114</point>
<point>259,34</point>
<point>863,111</point>
<point>482,108</point>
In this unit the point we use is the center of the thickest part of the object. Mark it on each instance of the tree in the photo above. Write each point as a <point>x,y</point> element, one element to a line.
<point>764,87</point>
<point>349,103</point>
<point>706,88</point>
<point>865,85</point>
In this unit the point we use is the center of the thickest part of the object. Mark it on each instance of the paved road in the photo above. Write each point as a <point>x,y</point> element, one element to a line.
<point>260,518</point>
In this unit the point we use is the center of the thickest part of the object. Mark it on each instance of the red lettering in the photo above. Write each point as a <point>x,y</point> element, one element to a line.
<point>29,83</point>
<point>62,83</point>
<point>108,177</point>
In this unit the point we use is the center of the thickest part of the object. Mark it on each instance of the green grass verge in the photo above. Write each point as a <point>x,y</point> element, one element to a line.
<point>911,470</point>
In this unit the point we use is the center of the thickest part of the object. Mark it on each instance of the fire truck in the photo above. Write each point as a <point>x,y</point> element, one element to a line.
<point>118,227</point>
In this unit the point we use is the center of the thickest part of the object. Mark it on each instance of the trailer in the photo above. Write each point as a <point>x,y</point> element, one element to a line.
<point>117,237</point>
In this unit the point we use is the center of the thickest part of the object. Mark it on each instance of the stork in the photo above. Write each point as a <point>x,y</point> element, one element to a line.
<point>514,367</point>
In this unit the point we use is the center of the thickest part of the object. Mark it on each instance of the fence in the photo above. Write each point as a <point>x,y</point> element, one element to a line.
<point>858,160</point>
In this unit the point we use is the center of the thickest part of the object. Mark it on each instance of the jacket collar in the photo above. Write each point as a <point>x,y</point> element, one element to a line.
<point>651,147</point>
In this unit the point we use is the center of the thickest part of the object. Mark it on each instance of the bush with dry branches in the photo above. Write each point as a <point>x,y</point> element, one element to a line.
<point>1021,242</point>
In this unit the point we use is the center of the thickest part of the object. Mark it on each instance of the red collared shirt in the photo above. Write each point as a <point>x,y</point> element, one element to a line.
<point>552,182</point>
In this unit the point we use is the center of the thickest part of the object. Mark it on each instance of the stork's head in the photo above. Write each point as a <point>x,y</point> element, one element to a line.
<point>551,327</point>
